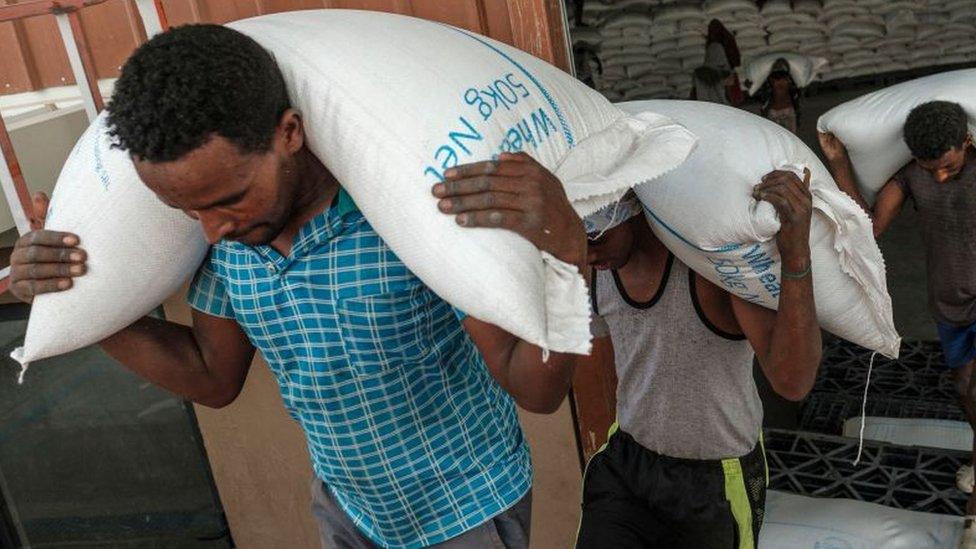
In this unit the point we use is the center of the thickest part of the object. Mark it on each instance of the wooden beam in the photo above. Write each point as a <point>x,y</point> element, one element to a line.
<point>538,27</point>
<point>82,64</point>
<point>482,17</point>
<point>26,55</point>
<point>12,183</point>
<point>594,402</point>
<point>152,16</point>
<point>24,10</point>
<point>133,18</point>
<point>161,12</point>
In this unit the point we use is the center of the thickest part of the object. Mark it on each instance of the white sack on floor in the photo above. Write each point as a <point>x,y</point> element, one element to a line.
<point>933,433</point>
<point>799,522</point>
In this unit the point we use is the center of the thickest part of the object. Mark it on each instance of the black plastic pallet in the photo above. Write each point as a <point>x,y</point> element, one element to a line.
<point>919,373</point>
<point>827,412</point>
<point>911,478</point>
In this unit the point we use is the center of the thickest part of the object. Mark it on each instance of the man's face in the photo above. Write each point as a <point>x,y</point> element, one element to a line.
<point>948,165</point>
<point>613,249</point>
<point>246,198</point>
<point>780,80</point>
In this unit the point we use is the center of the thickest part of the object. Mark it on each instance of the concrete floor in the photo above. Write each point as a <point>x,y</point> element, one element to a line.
<point>91,455</point>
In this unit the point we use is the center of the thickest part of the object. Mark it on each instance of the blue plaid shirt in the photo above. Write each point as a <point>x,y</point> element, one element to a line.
<point>404,423</point>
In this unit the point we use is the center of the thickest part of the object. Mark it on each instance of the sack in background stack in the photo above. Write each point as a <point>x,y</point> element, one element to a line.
<point>643,48</point>
<point>647,44</point>
<point>793,31</point>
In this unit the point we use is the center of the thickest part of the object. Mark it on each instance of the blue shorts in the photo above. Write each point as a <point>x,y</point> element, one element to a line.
<point>958,344</point>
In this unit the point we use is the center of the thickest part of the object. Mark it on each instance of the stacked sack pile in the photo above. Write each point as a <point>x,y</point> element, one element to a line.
<point>643,48</point>
<point>879,36</point>
<point>648,48</point>
<point>794,28</point>
<point>742,18</point>
<point>856,30</point>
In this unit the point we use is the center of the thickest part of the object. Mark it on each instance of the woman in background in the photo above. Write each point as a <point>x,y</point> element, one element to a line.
<point>721,50</point>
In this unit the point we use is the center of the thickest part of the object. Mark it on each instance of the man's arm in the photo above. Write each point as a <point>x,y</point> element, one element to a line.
<point>517,366</point>
<point>206,363</point>
<point>517,193</point>
<point>787,346</point>
<point>787,341</point>
<point>840,168</point>
<point>887,206</point>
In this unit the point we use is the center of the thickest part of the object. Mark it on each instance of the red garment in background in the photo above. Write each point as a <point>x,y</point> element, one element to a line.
<point>718,33</point>
<point>734,92</point>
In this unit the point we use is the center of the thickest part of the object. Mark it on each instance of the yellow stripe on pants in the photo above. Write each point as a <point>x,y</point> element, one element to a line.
<point>735,493</point>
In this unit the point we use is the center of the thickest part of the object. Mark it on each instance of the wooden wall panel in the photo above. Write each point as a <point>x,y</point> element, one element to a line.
<point>15,63</point>
<point>275,6</point>
<point>43,43</point>
<point>220,11</point>
<point>391,6</point>
<point>181,12</point>
<point>113,30</point>
<point>538,28</point>
<point>499,23</point>
<point>466,14</point>
<point>33,56</point>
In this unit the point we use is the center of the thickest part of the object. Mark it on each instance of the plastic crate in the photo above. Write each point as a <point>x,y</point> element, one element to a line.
<point>918,374</point>
<point>827,412</point>
<point>911,478</point>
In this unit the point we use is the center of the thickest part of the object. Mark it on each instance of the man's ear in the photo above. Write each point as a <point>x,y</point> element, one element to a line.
<point>291,130</point>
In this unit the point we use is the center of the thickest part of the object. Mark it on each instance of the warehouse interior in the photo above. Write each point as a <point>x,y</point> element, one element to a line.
<point>91,455</point>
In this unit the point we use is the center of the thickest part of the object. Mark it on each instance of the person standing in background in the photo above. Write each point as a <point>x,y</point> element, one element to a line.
<point>941,182</point>
<point>780,97</point>
<point>708,84</point>
<point>715,81</point>
<point>589,69</point>
<point>720,44</point>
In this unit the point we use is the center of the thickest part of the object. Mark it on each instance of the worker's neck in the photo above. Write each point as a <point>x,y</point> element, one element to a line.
<point>317,187</point>
<point>647,249</point>
<point>315,191</point>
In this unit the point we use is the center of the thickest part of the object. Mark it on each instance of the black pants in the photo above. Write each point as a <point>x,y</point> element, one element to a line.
<point>634,498</point>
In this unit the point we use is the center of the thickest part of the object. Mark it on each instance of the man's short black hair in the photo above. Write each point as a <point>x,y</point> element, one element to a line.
<point>933,129</point>
<point>190,83</point>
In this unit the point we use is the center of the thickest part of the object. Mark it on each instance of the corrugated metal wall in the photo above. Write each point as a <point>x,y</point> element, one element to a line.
<point>32,56</point>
